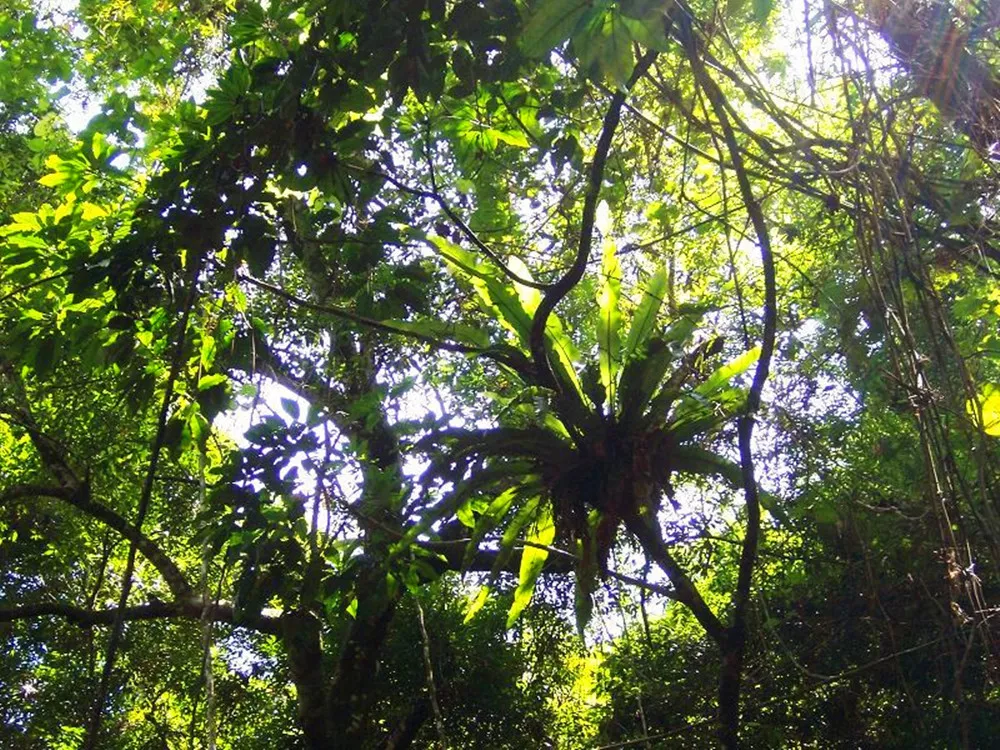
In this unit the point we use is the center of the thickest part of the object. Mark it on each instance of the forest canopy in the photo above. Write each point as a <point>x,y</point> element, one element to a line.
<point>499,374</point>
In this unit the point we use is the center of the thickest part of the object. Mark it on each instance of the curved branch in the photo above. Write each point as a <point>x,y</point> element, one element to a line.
<point>684,589</point>
<point>80,499</point>
<point>191,609</point>
<point>735,642</point>
<point>717,100</point>
<point>77,493</point>
<point>572,277</point>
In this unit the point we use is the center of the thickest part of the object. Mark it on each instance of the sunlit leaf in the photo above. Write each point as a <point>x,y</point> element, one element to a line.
<point>989,407</point>
<point>482,596</point>
<point>721,377</point>
<point>532,561</point>
<point>602,218</point>
<point>609,319</point>
<point>644,320</point>
<point>92,211</point>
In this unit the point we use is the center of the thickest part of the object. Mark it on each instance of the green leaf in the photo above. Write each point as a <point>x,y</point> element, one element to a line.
<point>695,460</point>
<point>641,377</point>
<point>478,603</point>
<point>210,381</point>
<point>92,211</point>
<point>497,296</point>
<point>645,314</point>
<point>697,415</point>
<point>551,23</point>
<point>558,341</point>
<point>466,514</point>
<point>721,377</point>
<point>604,47</point>
<point>609,320</point>
<point>512,138</point>
<point>488,521</point>
<point>208,350</point>
<point>762,10</point>
<point>532,561</point>
<point>650,33</point>
<point>54,179</point>
<point>618,60</point>
<point>734,7</point>
<point>530,297</point>
<point>521,519</point>
<point>291,407</point>
<point>442,330</point>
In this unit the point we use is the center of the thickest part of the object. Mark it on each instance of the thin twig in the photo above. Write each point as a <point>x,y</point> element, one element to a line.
<point>431,687</point>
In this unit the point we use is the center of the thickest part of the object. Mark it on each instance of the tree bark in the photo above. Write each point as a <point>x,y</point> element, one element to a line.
<point>405,732</point>
<point>301,636</point>
<point>349,698</point>
<point>730,680</point>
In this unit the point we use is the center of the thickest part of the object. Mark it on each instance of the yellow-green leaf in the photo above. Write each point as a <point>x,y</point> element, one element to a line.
<point>512,138</point>
<point>645,314</point>
<point>477,604</point>
<point>54,179</point>
<point>92,211</point>
<point>530,297</point>
<point>609,321</point>
<point>210,381</point>
<point>721,377</point>
<point>989,408</point>
<point>532,560</point>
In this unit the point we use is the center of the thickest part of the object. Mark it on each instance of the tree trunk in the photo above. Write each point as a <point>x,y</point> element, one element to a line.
<point>406,731</point>
<point>729,685</point>
<point>301,634</point>
<point>350,697</point>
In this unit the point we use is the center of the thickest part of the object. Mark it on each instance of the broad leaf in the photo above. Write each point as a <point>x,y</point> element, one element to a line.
<point>532,561</point>
<point>989,404</point>
<point>488,521</point>
<point>609,319</point>
<point>432,328</point>
<point>551,23</point>
<point>695,460</point>
<point>721,377</point>
<point>497,295</point>
<point>644,319</point>
<point>522,518</point>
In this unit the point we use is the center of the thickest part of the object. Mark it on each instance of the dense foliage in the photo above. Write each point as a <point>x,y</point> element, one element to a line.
<point>499,374</point>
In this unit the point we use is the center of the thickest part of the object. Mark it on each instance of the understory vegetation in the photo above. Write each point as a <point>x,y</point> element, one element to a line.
<point>499,374</point>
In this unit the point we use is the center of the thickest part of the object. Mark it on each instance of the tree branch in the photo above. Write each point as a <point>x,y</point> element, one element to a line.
<point>464,228</point>
<point>735,643</point>
<point>191,609</point>
<point>146,492</point>
<point>717,100</point>
<point>80,499</point>
<point>684,589</point>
